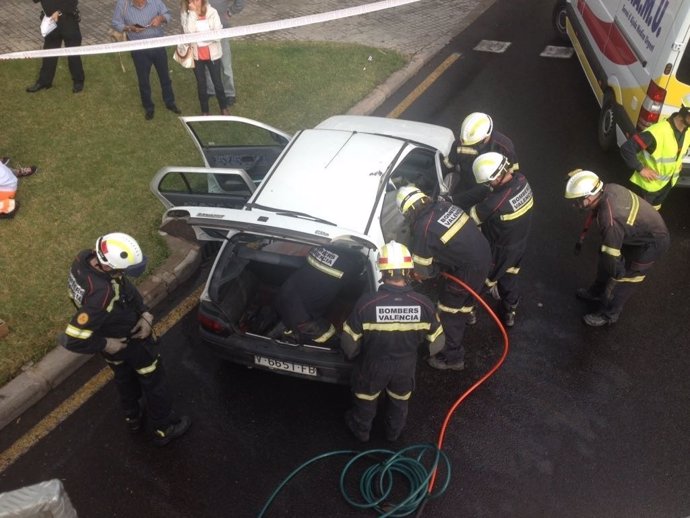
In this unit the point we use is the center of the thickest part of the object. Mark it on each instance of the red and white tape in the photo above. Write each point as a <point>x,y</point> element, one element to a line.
<point>230,32</point>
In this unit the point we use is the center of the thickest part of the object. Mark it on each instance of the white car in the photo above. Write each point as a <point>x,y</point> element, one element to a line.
<point>273,199</point>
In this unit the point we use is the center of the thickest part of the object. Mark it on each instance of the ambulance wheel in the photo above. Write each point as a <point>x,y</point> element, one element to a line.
<point>558,18</point>
<point>606,130</point>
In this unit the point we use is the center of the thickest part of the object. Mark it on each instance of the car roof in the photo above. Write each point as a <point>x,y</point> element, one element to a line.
<point>430,135</point>
<point>333,175</point>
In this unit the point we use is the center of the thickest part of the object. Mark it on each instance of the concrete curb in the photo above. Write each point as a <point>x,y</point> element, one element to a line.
<point>36,381</point>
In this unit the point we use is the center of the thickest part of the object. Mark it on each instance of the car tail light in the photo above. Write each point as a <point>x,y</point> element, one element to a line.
<point>651,106</point>
<point>212,325</point>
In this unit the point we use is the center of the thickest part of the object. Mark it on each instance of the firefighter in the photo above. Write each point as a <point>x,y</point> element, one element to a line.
<point>633,237</point>
<point>306,296</point>
<point>477,136</point>
<point>656,155</point>
<point>384,333</point>
<point>112,320</point>
<point>441,240</point>
<point>505,217</point>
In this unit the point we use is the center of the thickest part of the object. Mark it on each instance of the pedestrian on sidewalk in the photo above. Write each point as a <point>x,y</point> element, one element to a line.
<point>112,320</point>
<point>65,13</point>
<point>199,16</point>
<point>143,19</point>
<point>226,10</point>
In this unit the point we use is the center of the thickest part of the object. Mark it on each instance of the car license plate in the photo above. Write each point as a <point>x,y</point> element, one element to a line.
<point>285,366</point>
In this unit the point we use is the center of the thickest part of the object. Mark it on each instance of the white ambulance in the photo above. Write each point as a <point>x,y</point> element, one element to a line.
<point>633,53</point>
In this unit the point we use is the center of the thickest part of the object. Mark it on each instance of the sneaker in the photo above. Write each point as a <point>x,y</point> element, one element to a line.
<point>599,320</point>
<point>443,365</point>
<point>351,425</point>
<point>173,431</point>
<point>585,294</point>
<point>472,318</point>
<point>135,423</point>
<point>19,172</point>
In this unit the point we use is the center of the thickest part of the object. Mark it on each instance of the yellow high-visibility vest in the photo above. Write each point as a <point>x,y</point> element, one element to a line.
<point>667,159</point>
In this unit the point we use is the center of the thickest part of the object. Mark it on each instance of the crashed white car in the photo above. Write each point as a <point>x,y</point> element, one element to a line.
<point>270,197</point>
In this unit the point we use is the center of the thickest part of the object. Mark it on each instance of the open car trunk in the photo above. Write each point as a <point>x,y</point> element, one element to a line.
<point>247,278</point>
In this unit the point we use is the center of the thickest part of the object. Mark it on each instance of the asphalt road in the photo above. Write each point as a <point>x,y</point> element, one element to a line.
<point>578,422</point>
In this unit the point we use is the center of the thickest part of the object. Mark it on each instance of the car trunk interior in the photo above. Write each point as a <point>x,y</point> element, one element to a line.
<point>249,275</point>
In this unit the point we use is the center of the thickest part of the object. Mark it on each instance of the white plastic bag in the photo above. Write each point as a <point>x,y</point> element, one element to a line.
<point>48,25</point>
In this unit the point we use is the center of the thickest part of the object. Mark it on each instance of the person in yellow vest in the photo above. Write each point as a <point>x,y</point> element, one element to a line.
<point>656,155</point>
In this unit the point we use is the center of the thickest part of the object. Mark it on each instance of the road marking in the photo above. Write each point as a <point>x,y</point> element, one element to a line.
<point>417,92</point>
<point>553,51</point>
<point>81,396</point>
<point>497,47</point>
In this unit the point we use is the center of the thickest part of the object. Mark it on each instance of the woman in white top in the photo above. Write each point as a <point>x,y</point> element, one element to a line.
<point>198,16</point>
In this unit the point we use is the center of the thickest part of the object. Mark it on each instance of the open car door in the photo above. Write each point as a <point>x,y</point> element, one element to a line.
<point>226,141</point>
<point>202,187</point>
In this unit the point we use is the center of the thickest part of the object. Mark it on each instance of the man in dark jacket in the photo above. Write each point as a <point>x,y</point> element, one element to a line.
<point>383,334</point>
<point>306,296</point>
<point>66,14</point>
<point>477,136</point>
<point>633,237</point>
<point>442,240</point>
<point>112,320</point>
<point>505,217</point>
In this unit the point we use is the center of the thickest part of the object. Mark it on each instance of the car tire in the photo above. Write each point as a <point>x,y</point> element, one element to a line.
<point>558,18</point>
<point>606,128</point>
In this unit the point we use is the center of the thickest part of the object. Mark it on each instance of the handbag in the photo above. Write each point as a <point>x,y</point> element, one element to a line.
<point>184,55</point>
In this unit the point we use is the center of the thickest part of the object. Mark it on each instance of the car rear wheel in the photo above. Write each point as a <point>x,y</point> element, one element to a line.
<point>606,130</point>
<point>558,18</point>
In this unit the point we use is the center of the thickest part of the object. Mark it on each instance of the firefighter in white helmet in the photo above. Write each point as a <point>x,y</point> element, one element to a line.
<point>383,335</point>
<point>112,320</point>
<point>505,217</point>
<point>656,154</point>
<point>477,136</point>
<point>633,237</point>
<point>443,238</point>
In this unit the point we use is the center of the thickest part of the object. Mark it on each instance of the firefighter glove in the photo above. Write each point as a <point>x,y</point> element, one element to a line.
<point>143,327</point>
<point>114,345</point>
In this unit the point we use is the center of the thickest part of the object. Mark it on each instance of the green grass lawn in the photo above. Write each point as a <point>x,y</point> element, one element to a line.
<point>96,154</point>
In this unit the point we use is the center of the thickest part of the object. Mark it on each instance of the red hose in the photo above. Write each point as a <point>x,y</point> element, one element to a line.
<point>481,380</point>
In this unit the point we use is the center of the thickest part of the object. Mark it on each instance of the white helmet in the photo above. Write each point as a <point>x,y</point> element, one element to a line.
<point>489,166</point>
<point>121,252</point>
<point>475,128</point>
<point>395,256</point>
<point>407,196</point>
<point>582,183</point>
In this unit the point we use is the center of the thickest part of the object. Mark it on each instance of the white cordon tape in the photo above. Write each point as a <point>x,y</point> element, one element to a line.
<point>230,32</point>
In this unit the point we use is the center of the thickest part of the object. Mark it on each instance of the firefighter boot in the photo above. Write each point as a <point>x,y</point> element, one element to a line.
<point>173,431</point>
<point>135,422</point>
<point>508,314</point>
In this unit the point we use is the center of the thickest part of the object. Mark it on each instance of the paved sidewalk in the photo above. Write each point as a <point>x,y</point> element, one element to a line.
<point>416,30</point>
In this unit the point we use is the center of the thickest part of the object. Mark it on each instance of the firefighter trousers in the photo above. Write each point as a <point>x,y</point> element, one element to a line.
<point>369,382</point>
<point>138,371</point>
<point>455,304</point>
